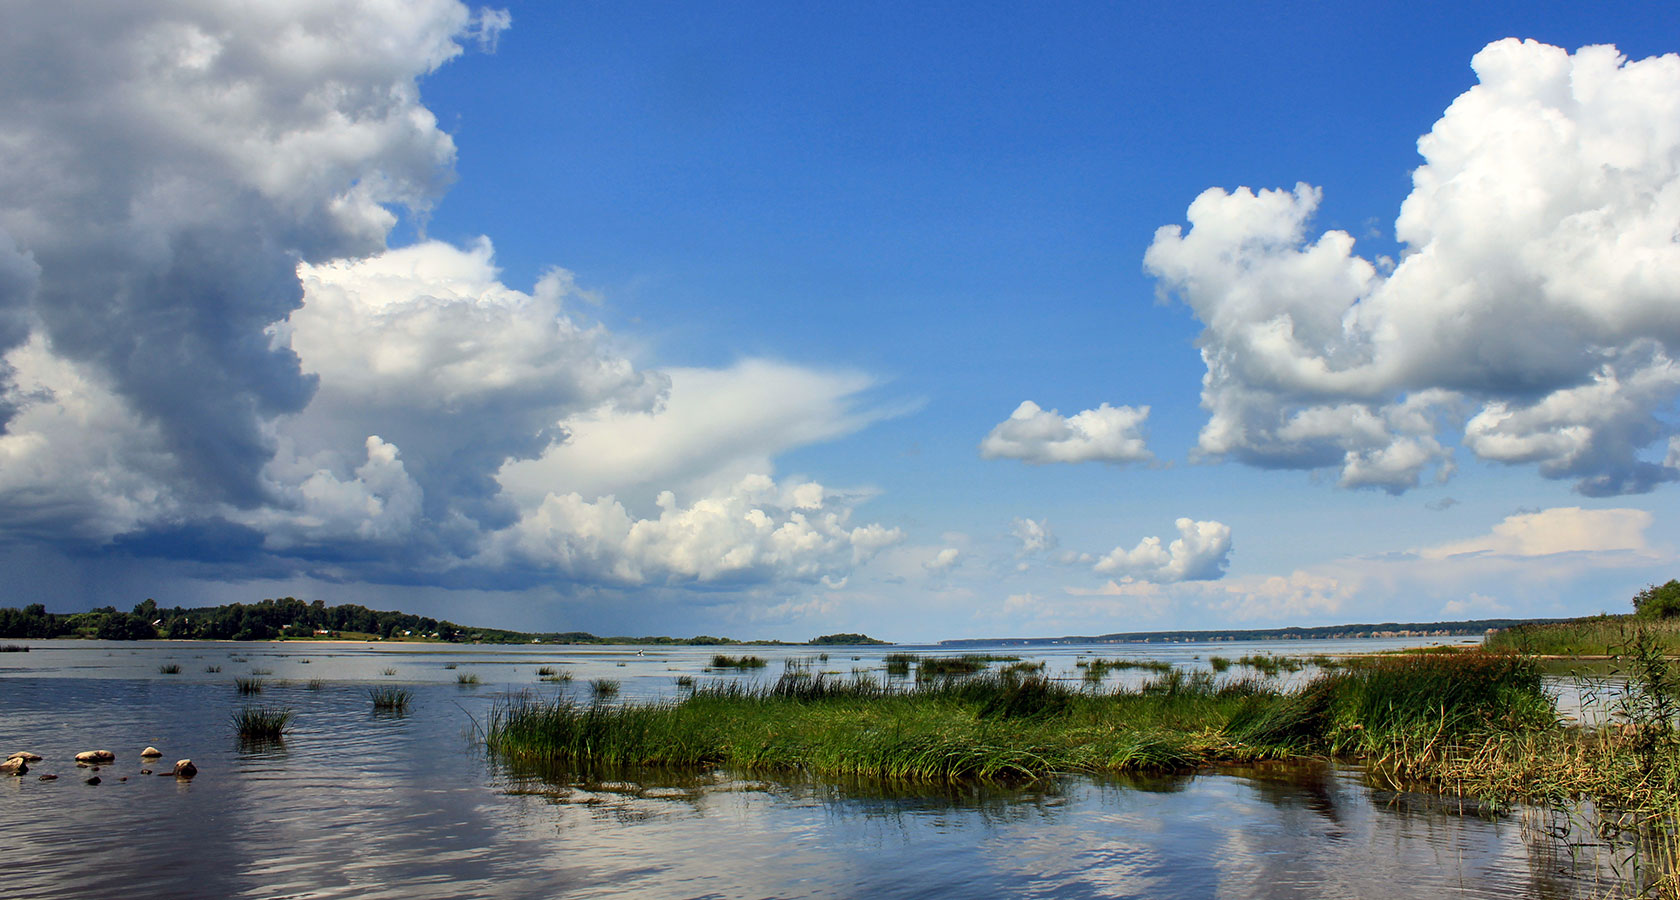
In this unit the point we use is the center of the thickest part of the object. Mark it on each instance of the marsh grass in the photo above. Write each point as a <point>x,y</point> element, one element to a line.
<point>551,675</point>
<point>211,670</point>
<point>248,685</point>
<point>169,669</point>
<point>390,699</point>
<point>603,688</point>
<point>1219,664</point>
<point>1096,670</point>
<point>1591,636</point>
<point>898,664</point>
<point>1014,726</point>
<point>387,671</point>
<point>450,666</point>
<point>314,684</point>
<point>262,723</point>
<point>262,671</point>
<point>724,661</point>
<point>544,671</point>
<point>466,678</point>
<point>951,666</point>
<point>13,648</point>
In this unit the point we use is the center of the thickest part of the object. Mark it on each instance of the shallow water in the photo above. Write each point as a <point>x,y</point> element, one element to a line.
<point>356,804</point>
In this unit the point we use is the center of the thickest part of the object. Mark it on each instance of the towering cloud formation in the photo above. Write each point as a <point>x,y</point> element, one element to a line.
<point>1538,291</point>
<point>207,349</point>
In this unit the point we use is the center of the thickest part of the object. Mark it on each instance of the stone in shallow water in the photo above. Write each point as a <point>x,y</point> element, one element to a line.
<point>93,780</point>
<point>49,778</point>
<point>26,756</point>
<point>150,752</point>
<point>184,768</point>
<point>95,756</point>
<point>14,766</point>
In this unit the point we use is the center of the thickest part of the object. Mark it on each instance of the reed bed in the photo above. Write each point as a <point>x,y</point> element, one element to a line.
<point>725,661</point>
<point>1097,669</point>
<point>1591,636</point>
<point>1012,726</point>
<point>390,699</point>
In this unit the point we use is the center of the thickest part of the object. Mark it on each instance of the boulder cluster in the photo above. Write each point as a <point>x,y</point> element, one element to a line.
<point>17,764</point>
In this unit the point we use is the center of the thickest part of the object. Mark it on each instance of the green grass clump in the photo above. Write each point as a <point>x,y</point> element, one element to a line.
<point>950,666</point>
<point>544,671</point>
<point>1219,663</point>
<point>898,664</point>
<point>390,699</point>
<point>554,676</point>
<point>724,661</point>
<point>248,685</point>
<point>1097,669</point>
<point>262,723</point>
<point>169,669</point>
<point>466,678</point>
<point>603,688</point>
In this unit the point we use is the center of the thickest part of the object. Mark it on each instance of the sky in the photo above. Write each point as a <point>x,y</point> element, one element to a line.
<point>926,321</point>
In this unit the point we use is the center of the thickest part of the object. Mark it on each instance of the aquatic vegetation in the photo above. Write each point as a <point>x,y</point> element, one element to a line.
<point>603,688</point>
<point>466,678</point>
<point>1219,663</point>
<point>390,699</point>
<point>14,648</point>
<point>211,670</point>
<point>950,666</point>
<point>724,661</point>
<point>262,723</point>
<point>1012,726</point>
<point>314,684</point>
<point>262,671</point>
<point>685,681</point>
<point>898,664</point>
<point>169,669</point>
<point>387,671</point>
<point>248,685</point>
<point>545,671</point>
<point>1592,636</point>
<point>1097,669</point>
<point>450,666</point>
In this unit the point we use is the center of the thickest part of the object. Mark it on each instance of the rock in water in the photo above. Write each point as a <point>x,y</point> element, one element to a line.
<point>93,780</point>
<point>49,777</point>
<point>95,756</point>
<point>150,752</point>
<point>26,756</point>
<point>184,768</point>
<point>14,766</point>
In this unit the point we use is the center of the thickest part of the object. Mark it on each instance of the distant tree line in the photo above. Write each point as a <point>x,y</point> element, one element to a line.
<point>260,621</point>
<point>289,617</point>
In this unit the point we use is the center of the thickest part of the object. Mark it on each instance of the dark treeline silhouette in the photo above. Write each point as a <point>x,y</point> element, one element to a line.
<point>289,617</point>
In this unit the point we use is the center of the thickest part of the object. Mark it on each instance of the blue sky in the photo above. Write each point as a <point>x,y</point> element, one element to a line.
<point>681,319</point>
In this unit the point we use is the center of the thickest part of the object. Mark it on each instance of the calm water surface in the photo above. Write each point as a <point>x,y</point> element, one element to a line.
<point>355,804</point>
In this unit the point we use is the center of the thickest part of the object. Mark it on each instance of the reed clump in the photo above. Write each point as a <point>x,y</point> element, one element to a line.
<point>466,679</point>
<point>248,685</point>
<point>169,669</point>
<point>262,723</point>
<point>725,661</point>
<point>390,699</point>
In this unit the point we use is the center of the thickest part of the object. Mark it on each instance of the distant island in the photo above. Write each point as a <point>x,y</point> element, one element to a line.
<point>1469,628</point>
<point>289,618</point>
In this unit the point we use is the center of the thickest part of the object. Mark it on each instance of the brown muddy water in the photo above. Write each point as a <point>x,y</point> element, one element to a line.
<point>355,803</point>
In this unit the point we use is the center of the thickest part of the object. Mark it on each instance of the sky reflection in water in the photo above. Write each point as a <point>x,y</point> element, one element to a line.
<point>355,804</point>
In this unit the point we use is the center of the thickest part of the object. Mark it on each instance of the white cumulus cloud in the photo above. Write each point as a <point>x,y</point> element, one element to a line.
<point>1200,553</point>
<point>1538,291</point>
<point>1108,434</point>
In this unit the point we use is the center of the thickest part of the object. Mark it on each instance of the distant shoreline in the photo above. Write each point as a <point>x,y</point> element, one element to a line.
<point>1465,628</point>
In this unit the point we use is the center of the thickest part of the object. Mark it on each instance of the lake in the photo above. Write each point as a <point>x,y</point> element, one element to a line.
<point>355,803</point>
